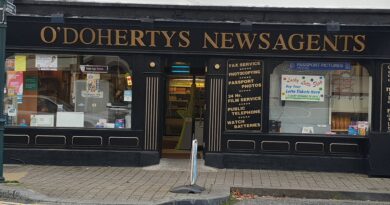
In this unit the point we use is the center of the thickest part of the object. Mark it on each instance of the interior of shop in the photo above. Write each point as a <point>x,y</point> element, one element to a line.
<point>58,90</point>
<point>185,106</point>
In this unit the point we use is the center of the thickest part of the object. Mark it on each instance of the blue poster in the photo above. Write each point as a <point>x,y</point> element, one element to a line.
<point>320,66</point>
<point>19,98</point>
<point>128,95</point>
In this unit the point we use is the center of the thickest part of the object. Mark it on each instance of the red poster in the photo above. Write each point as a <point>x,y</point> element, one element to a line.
<point>14,83</point>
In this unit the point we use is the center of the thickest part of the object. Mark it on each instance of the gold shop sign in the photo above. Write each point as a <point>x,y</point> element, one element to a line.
<point>196,40</point>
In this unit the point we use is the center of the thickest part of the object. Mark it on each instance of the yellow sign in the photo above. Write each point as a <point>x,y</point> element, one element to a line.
<point>20,63</point>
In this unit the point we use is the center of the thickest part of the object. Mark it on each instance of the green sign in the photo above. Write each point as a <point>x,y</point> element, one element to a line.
<point>31,83</point>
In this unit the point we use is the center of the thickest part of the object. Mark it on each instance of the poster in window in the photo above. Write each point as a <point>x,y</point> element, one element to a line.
<point>128,96</point>
<point>20,63</point>
<point>14,83</point>
<point>42,120</point>
<point>10,64</point>
<point>302,88</point>
<point>92,83</point>
<point>11,111</point>
<point>46,62</point>
<point>92,86</point>
<point>31,83</point>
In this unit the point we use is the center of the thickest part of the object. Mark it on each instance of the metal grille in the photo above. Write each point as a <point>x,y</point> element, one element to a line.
<point>151,113</point>
<point>215,115</point>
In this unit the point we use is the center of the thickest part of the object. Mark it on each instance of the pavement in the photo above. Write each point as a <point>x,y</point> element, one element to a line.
<point>294,201</point>
<point>152,185</point>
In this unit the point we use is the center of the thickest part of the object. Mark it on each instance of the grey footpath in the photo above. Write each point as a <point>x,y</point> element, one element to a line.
<point>295,201</point>
<point>151,185</point>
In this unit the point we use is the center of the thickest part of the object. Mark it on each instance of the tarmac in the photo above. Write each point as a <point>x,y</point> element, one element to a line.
<point>151,185</point>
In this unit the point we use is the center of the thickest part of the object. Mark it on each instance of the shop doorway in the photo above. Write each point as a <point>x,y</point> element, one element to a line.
<point>184,112</point>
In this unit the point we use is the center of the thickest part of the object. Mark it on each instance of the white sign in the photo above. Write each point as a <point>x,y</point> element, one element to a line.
<point>11,111</point>
<point>128,96</point>
<point>42,120</point>
<point>307,130</point>
<point>70,119</point>
<point>86,94</point>
<point>46,62</point>
<point>303,88</point>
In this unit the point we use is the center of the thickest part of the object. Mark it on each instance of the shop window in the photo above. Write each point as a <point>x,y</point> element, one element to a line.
<point>320,98</point>
<point>85,91</point>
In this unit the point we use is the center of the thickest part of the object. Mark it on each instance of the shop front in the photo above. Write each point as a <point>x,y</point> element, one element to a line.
<point>120,92</point>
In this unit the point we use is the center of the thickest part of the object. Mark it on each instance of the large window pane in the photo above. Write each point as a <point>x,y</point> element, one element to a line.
<point>320,100</point>
<point>68,91</point>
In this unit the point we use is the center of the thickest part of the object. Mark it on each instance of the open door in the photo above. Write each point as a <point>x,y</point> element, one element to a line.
<point>184,114</point>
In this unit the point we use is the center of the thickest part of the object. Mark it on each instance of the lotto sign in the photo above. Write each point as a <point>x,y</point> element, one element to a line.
<point>302,88</point>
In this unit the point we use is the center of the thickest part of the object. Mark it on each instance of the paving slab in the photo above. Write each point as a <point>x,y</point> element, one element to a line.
<point>152,185</point>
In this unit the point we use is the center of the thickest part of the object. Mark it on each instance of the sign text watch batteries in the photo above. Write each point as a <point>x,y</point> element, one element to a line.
<point>244,94</point>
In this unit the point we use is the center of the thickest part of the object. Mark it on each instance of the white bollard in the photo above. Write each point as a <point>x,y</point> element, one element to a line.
<point>194,162</point>
<point>192,188</point>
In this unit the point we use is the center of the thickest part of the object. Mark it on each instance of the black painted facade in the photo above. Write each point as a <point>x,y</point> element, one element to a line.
<point>362,37</point>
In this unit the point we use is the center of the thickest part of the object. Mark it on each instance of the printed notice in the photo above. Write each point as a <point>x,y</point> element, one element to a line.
<point>46,62</point>
<point>302,88</point>
<point>244,95</point>
<point>93,87</point>
<point>385,118</point>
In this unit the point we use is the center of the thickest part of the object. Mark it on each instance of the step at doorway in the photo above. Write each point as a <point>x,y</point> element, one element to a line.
<point>169,149</point>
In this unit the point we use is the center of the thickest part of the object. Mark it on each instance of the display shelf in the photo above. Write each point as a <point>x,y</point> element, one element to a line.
<point>178,100</point>
<point>339,130</point>
<point>179,96</point>
<point>336,94</point>
<point>176,108</point>
<point>351,113</point>
<point>342,122</point>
